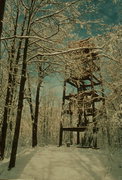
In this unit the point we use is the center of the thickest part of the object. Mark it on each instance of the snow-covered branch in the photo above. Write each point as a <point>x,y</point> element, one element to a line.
<point>64,52</point>
<point>26,37</point>
<point>54,13</point>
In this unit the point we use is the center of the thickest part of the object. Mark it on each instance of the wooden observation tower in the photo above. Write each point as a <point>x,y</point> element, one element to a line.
<point>79,109</point>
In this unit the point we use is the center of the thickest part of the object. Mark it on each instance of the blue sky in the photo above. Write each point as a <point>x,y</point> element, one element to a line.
<point>108,11</point>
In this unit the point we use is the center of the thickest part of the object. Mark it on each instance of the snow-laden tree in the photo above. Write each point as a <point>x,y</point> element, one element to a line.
<point>110,65</point>
<point>35,26</point>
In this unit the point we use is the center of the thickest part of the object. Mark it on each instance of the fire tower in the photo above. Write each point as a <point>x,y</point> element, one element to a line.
<point>79,109</point>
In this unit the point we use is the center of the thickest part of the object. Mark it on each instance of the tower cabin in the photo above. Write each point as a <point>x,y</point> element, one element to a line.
<point>79,109</point>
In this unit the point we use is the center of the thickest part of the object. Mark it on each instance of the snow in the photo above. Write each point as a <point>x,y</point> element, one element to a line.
<point>59,163</point>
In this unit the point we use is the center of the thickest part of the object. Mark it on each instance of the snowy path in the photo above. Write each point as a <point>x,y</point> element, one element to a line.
<point>54,163</point>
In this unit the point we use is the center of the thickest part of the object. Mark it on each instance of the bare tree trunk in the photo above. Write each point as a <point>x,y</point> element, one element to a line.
<point>11,87</point>
<point>34,115</point>
<point>9,96</point>
<point>2,6</point>
<point>21,93</point>
<point>37,102</point>
<point>35,123</point>
<point>19,109</point>
<point>5,117</point>
<point>30,101</point>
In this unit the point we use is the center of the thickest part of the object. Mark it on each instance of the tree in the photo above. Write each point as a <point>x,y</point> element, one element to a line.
<point>37,101</point>
<point>2,6</point>
<point>21,93</point>
<point>111,72</point>
<point>13,60</point>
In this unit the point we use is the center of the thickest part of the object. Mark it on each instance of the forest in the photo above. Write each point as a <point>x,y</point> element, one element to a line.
<point>60,89</point>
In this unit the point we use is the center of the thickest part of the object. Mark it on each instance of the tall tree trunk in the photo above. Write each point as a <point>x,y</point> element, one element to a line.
<point>34,115</point>
<point>37,102</point>
<point>19,109</point>
<point>4,123</point>
<point>35,123</point>
<point>2,6</point>
<point>30,101</point>
<point>21,93</point>
<point>9,96</point>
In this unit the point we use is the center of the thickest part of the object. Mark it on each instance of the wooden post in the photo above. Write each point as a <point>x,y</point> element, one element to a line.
<point>64,94</point>
<point>2,7</point>
<point>71,133</point>
<point>78,136</point>
<point>60,134</point>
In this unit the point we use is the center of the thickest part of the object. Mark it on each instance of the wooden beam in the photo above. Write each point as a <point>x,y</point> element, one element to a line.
<point>71,83</point>
<point>60,134</point>
<point>77,129</point>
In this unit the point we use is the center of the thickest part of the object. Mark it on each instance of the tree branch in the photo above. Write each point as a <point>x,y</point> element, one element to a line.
<point>54,13</point>
<point>63,52</point>
<point>26,37</point>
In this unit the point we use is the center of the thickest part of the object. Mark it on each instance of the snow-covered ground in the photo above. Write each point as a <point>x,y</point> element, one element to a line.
<point>60,163</point>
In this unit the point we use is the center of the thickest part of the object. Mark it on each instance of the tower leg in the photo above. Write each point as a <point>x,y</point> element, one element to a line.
<point>95,140</point>
<point>60,134</point>
<point>78,137</point>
